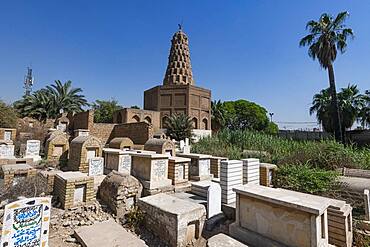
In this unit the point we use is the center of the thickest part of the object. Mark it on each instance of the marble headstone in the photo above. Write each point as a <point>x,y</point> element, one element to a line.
<point>96,166</point>
<point>367,204</point>
<point>6,151</point>
<point>26,222</point>
<point>33,149</point>
<point>213,200</point>
<point>125,163</point>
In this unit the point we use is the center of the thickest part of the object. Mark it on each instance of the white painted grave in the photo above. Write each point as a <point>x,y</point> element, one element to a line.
<point>33,149</point>
<point>79,194</point>
<point>213,200</point>
<point>26,223</point>
<point>6,151</point>
<point>96,166</point>
<point>7,135</point>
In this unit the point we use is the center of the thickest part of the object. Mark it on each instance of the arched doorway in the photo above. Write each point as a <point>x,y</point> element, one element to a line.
<point>204,124</point>
<point>195,122</point>
<point>148,119</point>
<point>136,119</point>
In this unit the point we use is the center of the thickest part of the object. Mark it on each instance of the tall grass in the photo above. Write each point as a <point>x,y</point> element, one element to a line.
<point>325,154</point>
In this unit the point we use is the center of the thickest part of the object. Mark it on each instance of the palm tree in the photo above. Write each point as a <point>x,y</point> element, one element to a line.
<point>326,36</point>
<point>47,102</point>
<point>364,117</point>
<point>350,103</point>
<point>218,115</point>
<point>179,127</point>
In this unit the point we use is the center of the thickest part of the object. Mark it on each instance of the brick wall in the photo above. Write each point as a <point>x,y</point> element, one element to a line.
<point>103,131</point>
<point>82,120</point>
<point>139,133</point>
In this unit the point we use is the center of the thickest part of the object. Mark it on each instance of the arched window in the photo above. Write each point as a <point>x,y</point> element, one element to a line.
<point>195,122</point>
<point>164,122</point>
<point>148,119</point>
<point>136,119</point>
<point>204,124</point>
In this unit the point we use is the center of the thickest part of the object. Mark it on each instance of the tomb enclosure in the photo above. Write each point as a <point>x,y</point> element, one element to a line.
<point>121,143</point>
<point>152,171</point>
<point>267,173</point>
<point>231,176</point>
<point>178,171</point>
<point>117,160</point>
<point>216,165</point>
<point>6,151</point>
<point>83,148</point>
<point>161,146</point>
<point>186,219</point>
<point>251,171</point>
<point>33,150</point>
<point>48,176</point>
<point>200,167</point>
<point>8,134</point>
<point>213,200</point>
<point>26,222</point>
<point>57,146</point>
<point>120,192</point>
<point>73,188</point>
<point>262,213</point>
<point>12,174</point>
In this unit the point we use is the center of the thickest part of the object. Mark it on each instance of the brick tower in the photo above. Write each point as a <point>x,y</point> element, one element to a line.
<point>178,94</point>
<point>179,66</point>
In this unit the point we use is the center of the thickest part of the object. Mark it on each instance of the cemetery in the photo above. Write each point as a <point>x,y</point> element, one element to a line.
<point>127,183</point>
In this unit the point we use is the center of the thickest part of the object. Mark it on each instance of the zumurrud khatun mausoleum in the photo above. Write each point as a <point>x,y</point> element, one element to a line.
<point>178,94</point>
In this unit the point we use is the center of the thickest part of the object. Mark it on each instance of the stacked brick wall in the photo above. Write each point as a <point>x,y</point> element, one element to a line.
<point>103,131</point>
<point>82,120</point>
<point>139,133</point>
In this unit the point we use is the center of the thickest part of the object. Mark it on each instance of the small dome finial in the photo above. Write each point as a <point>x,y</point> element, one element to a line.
<point>180,27</point>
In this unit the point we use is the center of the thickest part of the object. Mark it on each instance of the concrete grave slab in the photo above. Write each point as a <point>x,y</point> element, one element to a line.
<point>107,233</point>
<point>222,240</point>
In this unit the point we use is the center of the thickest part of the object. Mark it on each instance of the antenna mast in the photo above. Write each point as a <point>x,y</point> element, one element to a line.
<point>28,82</point>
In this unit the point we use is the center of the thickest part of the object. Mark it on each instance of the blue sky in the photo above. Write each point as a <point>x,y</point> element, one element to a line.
<point>239,49</point>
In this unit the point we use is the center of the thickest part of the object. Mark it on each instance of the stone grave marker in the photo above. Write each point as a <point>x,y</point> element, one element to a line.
<point>33,149</point>
<point>182,145</point>
<point>7,135</point>
<point>204,167</point>
<point>125,163</point>
<point>160,167</point>
<point>62,127</point>
<point>6,151</point>
<point>213,200</point>
<point>26,223</point>
<point>367,204</point>
<point>96,166</point>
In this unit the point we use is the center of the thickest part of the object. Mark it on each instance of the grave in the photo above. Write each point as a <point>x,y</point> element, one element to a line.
<point>222,240</point>
<point>231,176</point>
<point>49,176</point>
<point>186,219</point>
<point>265,215</point>
<point>152,171</point>
<point>8,134</point>
<point>251,171</point>
<point>213,200</point>
<point>96,166</point>
<point>117,160</point>
<point>6,151</point>
<point>33,150</point>
<point>83,148</point>
<point>122,143</point>
<point>26,222</point>
<point>81,132</point>
<point>200,188</point>
<point>57,146</point>
<point>178,172</point>
<point>367,204</point>
<point>73,188</point>
<point>161,146</point>
<point>120,192</point>
<point>267,173</point>
<point>12,174</point>
<point>215,165</point>
<point>200,167</point>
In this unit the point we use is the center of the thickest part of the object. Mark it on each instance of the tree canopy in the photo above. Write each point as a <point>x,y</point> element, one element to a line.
<point>49,101</point>
<point>103,110</point>
<point>179,127</point>
<point>8,116</point>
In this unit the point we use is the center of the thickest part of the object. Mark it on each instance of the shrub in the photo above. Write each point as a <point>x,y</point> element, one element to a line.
<point>8,116</point>
<point>134,218</point>
<point>304,178</point>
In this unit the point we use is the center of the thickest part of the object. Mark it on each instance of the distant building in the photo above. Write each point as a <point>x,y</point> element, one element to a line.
<point>178,94</point>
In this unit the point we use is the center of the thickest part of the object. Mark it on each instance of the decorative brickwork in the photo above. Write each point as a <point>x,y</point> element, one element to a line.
<point>130,115</point>
<point>66,184</point>
<point>57,146</point>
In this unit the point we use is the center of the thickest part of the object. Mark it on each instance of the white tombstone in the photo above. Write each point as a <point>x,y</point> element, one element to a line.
<point>7,135</point>
<point>96,166</point>
<point>367,204</point>
<point>187,142</point>
<point>213,200</point>
<point>182,145</point>
<point>124,163</point>
<point>6,151</point>
<point>26,222</point>
<point>33,150</point>
<point>62,127</point>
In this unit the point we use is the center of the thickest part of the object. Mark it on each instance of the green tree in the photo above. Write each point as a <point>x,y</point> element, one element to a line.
<point>179,127</point>
<point>104,110</point>
<point>8,116</point>
<point>364,117</point>
<point>350,103</point>
<point>242,114</point>
<point>327,36</point>
<point>218,121</point>
<point>135,107</point>
<point>48,102</point>
<point>272,129</point>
